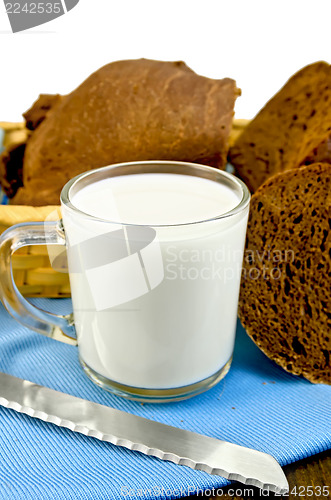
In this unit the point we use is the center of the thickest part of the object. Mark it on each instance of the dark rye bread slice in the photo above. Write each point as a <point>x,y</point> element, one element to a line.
<point>285,298</point>
<point>289,127</point>
<point>126,111</point>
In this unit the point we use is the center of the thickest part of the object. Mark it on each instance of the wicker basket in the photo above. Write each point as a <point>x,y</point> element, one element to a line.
<point>32,271</point>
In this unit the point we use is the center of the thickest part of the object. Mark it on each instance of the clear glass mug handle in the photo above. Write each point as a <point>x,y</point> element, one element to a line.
<point>36,233</point>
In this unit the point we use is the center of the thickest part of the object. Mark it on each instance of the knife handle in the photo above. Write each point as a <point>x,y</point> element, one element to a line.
<point>18,236</point>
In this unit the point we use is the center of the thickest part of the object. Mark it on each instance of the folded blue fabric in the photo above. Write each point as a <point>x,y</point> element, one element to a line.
<point>257,405</point>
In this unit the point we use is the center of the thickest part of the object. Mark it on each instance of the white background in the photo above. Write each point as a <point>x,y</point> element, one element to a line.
<point>259,43</point>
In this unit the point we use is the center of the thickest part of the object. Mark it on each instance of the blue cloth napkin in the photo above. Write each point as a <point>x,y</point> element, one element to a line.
<point>257,405</point>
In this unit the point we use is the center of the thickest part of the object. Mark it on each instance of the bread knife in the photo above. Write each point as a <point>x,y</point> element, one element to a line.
<point>140,434</point>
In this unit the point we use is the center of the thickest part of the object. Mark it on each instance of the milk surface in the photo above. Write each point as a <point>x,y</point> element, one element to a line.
<point>180,328</point>
<point>155,199</point>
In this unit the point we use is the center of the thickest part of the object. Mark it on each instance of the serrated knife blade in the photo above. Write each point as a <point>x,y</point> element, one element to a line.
<point>136,433</point>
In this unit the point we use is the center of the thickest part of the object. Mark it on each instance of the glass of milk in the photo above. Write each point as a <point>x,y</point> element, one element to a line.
<point>155,253</point>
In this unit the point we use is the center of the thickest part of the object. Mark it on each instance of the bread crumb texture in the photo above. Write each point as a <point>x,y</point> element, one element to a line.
<point>285,299</point>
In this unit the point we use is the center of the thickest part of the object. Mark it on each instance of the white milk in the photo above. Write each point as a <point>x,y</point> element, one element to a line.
<point>163,316</point>
<point>155,199</point>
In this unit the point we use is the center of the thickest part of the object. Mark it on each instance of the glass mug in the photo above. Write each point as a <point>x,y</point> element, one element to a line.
<point>154,305</point>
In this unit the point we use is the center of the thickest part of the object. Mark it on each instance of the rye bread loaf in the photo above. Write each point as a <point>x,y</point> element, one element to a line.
<point>126,111</point>
<point>285,298</point>
<point>38,111</point>
<point>287,130</point>
<point>321,154</point>
<point>11,165</point>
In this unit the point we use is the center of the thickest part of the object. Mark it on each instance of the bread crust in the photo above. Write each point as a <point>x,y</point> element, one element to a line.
<point>288,128</point>
<point>11,165</point>
<point>128,111</point>
<point>285,298</point>
<point>38,111</point>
